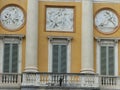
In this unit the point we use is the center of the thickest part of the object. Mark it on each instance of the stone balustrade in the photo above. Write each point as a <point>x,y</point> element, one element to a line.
<point>10,80</point>
<point>60,80</point>
<point>31,79</point>
<point>64,80</point>
<point>110,82</point>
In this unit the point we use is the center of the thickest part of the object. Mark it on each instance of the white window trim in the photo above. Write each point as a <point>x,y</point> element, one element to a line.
<point>68,39</point>
<point>115,41</point>
<point>11,39</point>
<point>1,55</point>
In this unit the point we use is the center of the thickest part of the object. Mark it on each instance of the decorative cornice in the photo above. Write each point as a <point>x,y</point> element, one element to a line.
<point>60,38</point>
<point>107,38</point>
<point>62,0</point>
<point>107,41</point>
<point>19,36</point>
<point>106,1</point>
<point>94,1</point>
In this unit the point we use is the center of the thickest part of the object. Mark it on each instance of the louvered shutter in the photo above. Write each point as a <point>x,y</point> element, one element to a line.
<point>6,65</point>
<point>63,58</point>
<point>14,58</point>
<point>103,60</point>
<point>111,60</point>
<point>55,58</point>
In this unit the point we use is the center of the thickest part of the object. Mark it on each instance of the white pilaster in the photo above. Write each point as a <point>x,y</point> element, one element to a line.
<point>32,36</point>
<point>87,36</point>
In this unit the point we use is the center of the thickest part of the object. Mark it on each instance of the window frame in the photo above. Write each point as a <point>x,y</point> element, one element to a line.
<point>108,43</point>
<point>107,49</point>
<point>54,40</point>
<point>10,57</point>
<point>12,40</point>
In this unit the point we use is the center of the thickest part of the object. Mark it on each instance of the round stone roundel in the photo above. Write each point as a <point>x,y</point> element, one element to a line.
<point>106,21</point>
<point>12,17</point>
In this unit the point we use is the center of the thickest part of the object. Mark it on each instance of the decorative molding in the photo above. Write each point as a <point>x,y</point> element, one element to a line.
<point>67,38</point>
<point>111,40</point>
<point>12,17</point>
<point>107,38</point>
<point>106,21</point>
<point>61,0</point>
<point>106,1</point>
<point>59,19</point>
<point>94,1</point>
<point>19,36</point>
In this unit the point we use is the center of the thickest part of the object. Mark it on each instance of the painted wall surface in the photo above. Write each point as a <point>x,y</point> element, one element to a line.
<point>43,35</point>
<point>20,3</point>
<point>76,35</point>
<point>23,5</point>
<point>116,34</point>
<point>113,6</point>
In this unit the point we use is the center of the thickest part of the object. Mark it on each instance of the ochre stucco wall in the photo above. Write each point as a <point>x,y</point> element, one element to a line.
<point>116,34</point>
<point>113,6</point>
<point>43,34</point>
<point>76,35</point>
<point>23,5</point>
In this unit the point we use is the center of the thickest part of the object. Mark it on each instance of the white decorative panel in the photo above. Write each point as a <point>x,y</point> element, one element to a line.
<point>106,21</point>
<point>12,17</point>
<point>59,19</point>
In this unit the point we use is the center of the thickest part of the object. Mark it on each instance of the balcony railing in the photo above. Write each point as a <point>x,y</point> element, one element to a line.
<point>110,82</point>
<point>10,80</point>
<point>69,80</point>
<point>60,80</point>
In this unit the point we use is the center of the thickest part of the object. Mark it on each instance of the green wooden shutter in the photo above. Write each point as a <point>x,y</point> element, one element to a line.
<point>63,58</point>
<point>6,65</point>
<point>10,58</point>
<point>103,60</point>
<point>55,58</point>
<point>59,55</point>
<point>14,58</point>
<point>111,64</point>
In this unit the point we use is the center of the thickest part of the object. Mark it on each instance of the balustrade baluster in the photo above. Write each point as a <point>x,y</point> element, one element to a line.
<point>0,79</point>
<point>114,81</point>
<point>10,78</point>
<point>14,78</point>
<point>48,79</point>
<point>103,81</point>
<point>3,79</point>
<point>7,78</point>
<point>44,79</point>
<point>111,81</point>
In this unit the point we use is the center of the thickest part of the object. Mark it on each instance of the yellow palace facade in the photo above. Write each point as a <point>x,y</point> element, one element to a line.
<point>60,44</point>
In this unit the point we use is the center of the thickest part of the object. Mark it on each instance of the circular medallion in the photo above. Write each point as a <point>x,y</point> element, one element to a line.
<point>12,17</point>
<point>106,21</point>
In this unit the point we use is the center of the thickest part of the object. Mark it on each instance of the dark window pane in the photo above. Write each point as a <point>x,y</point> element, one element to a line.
<point>6,65</point>
<point>103,60</point>
<point>14,58</point>
<point>111,61</point>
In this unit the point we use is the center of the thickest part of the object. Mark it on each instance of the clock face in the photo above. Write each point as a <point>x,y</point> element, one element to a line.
<point>12,18</point>
<point>106,21</point>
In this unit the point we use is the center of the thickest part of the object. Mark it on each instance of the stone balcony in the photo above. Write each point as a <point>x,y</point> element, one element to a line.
<point>64,81</point>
